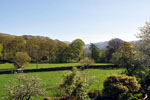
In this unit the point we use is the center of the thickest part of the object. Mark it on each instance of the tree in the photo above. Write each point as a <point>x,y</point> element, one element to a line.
<point>74,85</point>
<point>17,44</point>
<point>77,47</point>
<point>144,36</point>
<point>67,54</point>
<point>21,59</point>
<point>5,40</point>
<point>102,56</point>
<point>113,46</point>
<point>50,48</point>
<point>24,88</point>
<point>125,57</point>
<point>119,87</point>
<point>33,48</point>
<point>1,48</point>
<point>61,51</point>
<point>144,32</point>
<point>144,47</point>
<point>94,52</point>
<point>36,48</point>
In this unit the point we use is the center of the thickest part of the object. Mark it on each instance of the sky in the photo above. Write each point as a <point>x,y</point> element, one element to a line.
<point>66,20</point>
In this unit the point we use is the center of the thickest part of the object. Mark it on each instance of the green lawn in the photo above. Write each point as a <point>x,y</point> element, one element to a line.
<point>43,65</point>
<point>52,78</point>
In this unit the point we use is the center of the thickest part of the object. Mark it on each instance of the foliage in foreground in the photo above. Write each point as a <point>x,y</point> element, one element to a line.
<point>74,85</point>
<point>24,88</point>
<point>120,87</point>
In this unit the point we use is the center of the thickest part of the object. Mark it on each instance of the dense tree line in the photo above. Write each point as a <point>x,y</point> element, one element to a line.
<point>41,49</point>
<point>47,50</point>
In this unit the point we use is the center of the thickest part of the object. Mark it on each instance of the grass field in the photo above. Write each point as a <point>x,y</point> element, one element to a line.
<point>52,78</point>
<point>8,66</point>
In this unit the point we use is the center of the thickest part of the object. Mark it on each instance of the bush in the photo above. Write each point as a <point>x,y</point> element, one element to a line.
<point>118,87</point>
<point>86,62</point>
<point>23,88</point>
<point>74,85</point>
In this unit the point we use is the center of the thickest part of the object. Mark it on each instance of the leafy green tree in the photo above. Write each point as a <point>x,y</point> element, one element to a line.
<point>21,59</point>
<point>5,40</point>
<point>94,52</point>
<point>113,46</point>
<point>37,49</point>
<point>144,44</point>
<point>1,48</point>
<point>144,32</point>
<point>144,47</point>
<point>33,49</point>
<point>24,88</point>
<point>68,55</point>
<point>77,47</point>
<point>50,48</point>
<point>75,85</point>
<point>17,44</point>
<point>61,51</point>
<point>120,87</point>
<point>125,57</point>
<point>42,51</point>
<point>102,56</point>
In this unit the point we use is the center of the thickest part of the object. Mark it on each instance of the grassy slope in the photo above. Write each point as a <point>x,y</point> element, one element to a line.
<point>52,78</point>
<point>43,65</point>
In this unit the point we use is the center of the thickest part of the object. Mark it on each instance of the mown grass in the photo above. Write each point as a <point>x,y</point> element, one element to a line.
<point>53,78</point>
<point>8,66</point>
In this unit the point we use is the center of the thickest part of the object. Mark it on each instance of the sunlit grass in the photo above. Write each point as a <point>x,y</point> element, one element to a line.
<point>8,66</point>
<point>52,78</point>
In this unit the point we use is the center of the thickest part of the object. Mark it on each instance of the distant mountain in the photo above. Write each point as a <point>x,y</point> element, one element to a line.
<point>5,34</point>
<point>67,42</point>
<point>102,45</point>
<point>134,42</point>
<point>26,37</point>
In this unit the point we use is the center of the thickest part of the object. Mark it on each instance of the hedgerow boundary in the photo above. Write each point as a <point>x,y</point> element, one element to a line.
<point>57,69</point>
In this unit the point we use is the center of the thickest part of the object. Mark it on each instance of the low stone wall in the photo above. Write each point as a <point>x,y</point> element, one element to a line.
<point>57,69</point>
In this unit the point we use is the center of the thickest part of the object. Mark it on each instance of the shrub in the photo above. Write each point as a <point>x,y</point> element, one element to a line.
<point>23,88</point>
<point>74,85</point>
<point>86,62</point>
<point>118,87</point>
